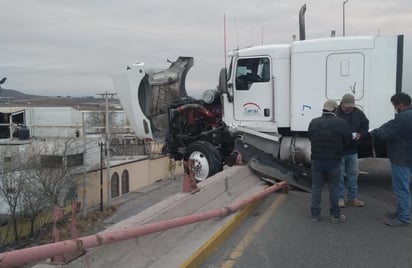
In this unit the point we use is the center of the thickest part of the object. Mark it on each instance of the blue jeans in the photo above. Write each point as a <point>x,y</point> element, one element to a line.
<point>320,174</point>
<point>350,171</point>
<point>401,176</point>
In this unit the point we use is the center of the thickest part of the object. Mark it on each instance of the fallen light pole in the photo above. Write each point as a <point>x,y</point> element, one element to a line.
<point>28,255</point>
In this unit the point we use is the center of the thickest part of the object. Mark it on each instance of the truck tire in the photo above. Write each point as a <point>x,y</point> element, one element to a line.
<point>207,160</point>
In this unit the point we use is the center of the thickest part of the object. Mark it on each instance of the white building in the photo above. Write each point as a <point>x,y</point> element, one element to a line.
<point>25,123</point>
<point>67,134</point>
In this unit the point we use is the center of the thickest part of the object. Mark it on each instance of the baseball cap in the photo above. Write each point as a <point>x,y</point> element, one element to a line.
<point>330,106</point>
<point>348,100</point>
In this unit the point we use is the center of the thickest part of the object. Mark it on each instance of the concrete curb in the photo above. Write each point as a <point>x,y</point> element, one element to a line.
<point>218,238</point>
<point>175,246</point>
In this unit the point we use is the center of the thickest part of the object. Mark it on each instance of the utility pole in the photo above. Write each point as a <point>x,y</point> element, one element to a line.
<point>101,144</point>
<point>343,16</point>
<point>107,148</point>
<point>84,205</point>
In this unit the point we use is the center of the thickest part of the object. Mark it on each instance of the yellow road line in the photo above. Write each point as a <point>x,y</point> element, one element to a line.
<point>213,243</point>
<point>247,239</point>
<point>219,237</point>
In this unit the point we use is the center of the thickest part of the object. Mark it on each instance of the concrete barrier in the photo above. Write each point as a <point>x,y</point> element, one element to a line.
<point>173,247</point>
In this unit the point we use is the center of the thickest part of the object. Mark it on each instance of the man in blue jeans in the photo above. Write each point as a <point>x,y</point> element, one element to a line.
<point>327,135</point>
<point>398,136</point>
<point>359,125</point>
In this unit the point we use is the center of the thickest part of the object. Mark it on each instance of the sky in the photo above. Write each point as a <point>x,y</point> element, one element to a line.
<point>72,47</point>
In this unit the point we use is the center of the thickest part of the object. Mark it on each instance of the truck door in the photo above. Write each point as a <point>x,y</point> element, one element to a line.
<point>253,94</point>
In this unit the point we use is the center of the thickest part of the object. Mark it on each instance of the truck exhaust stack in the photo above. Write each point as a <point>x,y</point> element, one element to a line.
<point>302,33</point>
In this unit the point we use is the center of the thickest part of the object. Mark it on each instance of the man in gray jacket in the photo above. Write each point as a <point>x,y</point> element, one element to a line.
<point>398,136</point>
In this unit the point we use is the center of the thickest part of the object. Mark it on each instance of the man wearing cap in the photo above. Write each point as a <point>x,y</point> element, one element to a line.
<point>359,125</point>
<point>327,134</point>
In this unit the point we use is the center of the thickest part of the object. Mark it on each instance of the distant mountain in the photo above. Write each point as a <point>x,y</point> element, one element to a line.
<point>10,97</point>
<point>10,93</point>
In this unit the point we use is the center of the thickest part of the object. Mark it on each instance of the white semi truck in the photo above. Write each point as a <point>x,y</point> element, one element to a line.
<point>265,99</point>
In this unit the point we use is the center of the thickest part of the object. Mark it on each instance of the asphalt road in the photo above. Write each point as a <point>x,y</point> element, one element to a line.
<point>280,233</point>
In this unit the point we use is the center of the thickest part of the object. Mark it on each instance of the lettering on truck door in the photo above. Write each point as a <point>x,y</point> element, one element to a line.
<point>253,94</point>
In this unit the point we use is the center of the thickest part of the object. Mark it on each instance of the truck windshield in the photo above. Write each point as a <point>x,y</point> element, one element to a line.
<point>252,70</point>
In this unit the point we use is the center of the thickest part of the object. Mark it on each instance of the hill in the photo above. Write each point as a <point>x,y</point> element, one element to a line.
<point>14,94</point>
<point>10,97</point>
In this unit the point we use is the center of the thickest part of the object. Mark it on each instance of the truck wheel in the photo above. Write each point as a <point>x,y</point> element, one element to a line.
<point>207,160</point>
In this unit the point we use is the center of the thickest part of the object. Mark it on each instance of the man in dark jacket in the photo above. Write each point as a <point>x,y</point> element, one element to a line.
<point>398,136</point>
<point>327,135</point>
<point>359,125</point>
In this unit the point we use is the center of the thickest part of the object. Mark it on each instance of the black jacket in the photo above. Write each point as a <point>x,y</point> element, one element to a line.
<point>358,123</point>
<point>328,134</point>
<point>398,136</point>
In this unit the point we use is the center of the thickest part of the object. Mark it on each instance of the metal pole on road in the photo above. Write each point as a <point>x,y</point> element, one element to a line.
<point>28,255</point>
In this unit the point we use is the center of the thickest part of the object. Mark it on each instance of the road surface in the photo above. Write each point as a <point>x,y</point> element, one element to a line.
<point>280,233</point>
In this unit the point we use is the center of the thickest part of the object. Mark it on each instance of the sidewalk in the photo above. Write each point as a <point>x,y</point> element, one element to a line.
<point>137,201</point>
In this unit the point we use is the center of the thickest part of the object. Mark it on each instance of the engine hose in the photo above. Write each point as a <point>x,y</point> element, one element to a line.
<point>199,107</point>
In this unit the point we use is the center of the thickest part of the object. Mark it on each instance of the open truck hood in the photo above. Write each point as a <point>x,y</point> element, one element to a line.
<point>145,95</point>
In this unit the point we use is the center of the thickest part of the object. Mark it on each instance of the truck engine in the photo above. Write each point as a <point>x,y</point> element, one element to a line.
<point>197,131</point>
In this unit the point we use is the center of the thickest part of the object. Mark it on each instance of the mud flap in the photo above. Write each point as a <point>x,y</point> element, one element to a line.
<point>273,171</point>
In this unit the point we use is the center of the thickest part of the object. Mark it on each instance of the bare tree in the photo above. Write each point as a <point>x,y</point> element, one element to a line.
<point>10,190</point>
<point>96,120</point>
<point>117,122</point>
<point>33,200</point>
<point>118,127</point>
<point>39,177</point>
<point>20,192</point>
<point>52,170</point>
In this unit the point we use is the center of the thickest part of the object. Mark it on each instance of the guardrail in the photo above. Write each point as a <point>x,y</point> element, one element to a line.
<point>29,255</point>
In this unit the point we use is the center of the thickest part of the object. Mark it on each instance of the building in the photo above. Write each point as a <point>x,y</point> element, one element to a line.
<point>66,136</point>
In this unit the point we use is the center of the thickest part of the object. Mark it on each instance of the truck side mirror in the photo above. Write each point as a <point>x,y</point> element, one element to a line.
<point>222,87</point>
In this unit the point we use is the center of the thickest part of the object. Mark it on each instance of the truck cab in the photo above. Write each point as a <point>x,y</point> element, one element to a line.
<point>284,86</point>
<point>274,91</point>
<point>266,99</point>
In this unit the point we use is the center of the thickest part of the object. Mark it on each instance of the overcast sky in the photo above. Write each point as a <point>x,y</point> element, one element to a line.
<point>71,47</point>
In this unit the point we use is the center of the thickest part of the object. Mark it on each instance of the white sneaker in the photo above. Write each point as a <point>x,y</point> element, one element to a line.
<point>342,203</point>
<point>334,219</point>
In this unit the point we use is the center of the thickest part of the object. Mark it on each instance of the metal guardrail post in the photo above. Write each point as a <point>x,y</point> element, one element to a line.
<point>189,181</point>
<point>58,214</point>
<point>74,231</point>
